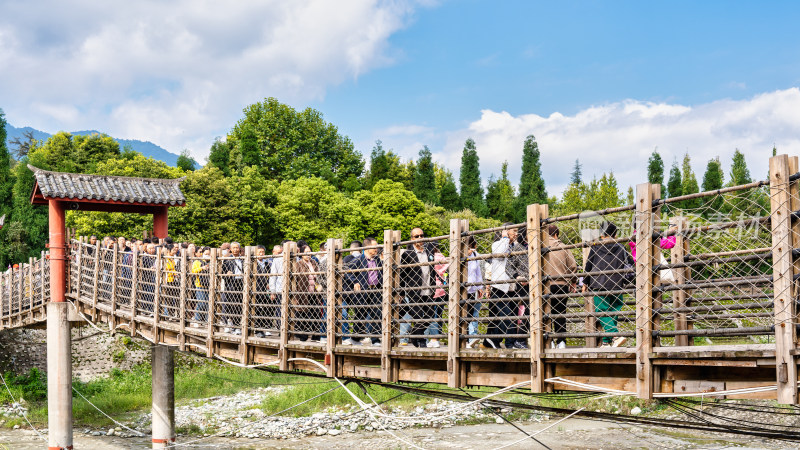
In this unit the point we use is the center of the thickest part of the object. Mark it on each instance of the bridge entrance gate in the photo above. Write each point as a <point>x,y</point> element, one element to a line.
<point>80,192</point>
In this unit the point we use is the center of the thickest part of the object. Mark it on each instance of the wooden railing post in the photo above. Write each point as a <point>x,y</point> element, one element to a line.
<point>134,288</point>
<point>157,297</point>
<point>782,276</point>
<point>29,293</point>
<point>454,309</point>
<point>182,301</point>
<point>390,368</point>
<point>332,304</point>
<point>114,275</point>
<point>247,269</point>
<point>212,303</point>
<point>537,235</point>
<point>96,281</point>
<point>283,352</point>
<point>42,274</point>
<point>646,254</point>
<point>681,297</point>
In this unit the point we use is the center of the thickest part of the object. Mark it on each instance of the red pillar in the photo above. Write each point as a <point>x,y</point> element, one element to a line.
<point>160,222</point>
<point>59,339</point>
<point>58,258</point>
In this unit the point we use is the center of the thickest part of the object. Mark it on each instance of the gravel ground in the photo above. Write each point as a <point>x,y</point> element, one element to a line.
<point>241,424</point>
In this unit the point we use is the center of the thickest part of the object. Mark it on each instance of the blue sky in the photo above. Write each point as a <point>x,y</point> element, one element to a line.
<point>606,82</point>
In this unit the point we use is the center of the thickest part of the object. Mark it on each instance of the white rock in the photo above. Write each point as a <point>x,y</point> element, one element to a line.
<point>499,420</point>
<point>321,431</point>
<point>334,432</point>
<point>16,427</point>
<point>636,411</point>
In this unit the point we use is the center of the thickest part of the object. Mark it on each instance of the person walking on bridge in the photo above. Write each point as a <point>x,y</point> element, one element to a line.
<point>559,269</point>
<point>606,255</point>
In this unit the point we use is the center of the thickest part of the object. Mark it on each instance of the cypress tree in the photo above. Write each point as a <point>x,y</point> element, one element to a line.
<point>448,195</point>
<point>424,181</point>
<point>675,184</point>
<point>655,171</point>
<point>689,185</point>
<point>470,180</point>
<point>500,196</point>
<point>575,178</point>
<point>740,174</point>
<point>531,183</point>
<point>712,180</point>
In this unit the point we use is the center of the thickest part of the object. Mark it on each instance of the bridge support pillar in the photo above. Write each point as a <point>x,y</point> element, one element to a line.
<point>59,377</point>
<point>163,396</point>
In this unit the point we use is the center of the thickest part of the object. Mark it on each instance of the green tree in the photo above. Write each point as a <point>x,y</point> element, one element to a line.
<point>186,162</point>
<point>655,171</point>
<point>6,180</point>
<point>6,190</point>
<point>745,203</point>
<point>64,152</point>
<point>531,183</point>
<point>689,185</point>
<point>470,180</point>
<point>575,177</point>
<point>448,194</point>
<point>384,165</point>
<point>220,156</point>
<point>390,206</point>
<point>424,179</point>
<point>314,210</point>
<point>712,180</point>
<point>293,144</point>
<point>675,183</point>
<point>500,196</point>
<point>221,209</point>
<point>740,174</point>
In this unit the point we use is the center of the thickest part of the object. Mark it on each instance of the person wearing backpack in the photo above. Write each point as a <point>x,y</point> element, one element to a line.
<point>607,255</point>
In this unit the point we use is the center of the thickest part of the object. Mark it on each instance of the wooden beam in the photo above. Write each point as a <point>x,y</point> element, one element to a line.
<point>96,281</point>
<point>182,301</point>
<point>332,304</point>
<point>157,297</point>
<point>782,273</point>
<point>386,306</point>
<point>288,250</point>
<point>682,275</point>
<point>114,273</point>
<point>134,287</point>
<point>536,241</point>
<point>247,269</point>
<point>646,254</point>
<point>213,268</point>
<point>454,310</point>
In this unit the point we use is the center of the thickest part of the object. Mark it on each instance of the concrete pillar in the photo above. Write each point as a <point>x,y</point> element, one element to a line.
<point>163,396</point>
<point>59,377</point>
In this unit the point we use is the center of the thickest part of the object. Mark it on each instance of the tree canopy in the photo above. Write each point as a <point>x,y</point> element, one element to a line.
<point>287,144</point>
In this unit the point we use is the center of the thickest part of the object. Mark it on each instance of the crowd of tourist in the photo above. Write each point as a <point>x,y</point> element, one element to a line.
<point>496,284</point>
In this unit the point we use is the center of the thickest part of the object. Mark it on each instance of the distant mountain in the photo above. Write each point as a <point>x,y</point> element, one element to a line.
<point>146,148</point>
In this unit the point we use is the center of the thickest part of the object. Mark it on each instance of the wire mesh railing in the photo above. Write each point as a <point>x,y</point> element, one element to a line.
<point>420,314</point>
<point>359,294</point>
<point>266,288</point>
<point>307,298</point>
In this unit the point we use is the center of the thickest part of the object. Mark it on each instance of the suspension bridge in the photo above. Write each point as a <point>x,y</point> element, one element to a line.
<point>714,312</point>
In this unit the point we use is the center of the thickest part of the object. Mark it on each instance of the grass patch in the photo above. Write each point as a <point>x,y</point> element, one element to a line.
<point>335,399</point>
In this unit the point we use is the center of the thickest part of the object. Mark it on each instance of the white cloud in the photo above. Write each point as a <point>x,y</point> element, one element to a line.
<point>620,137</point>
<point>179,73</point>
